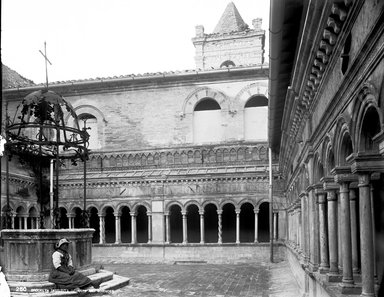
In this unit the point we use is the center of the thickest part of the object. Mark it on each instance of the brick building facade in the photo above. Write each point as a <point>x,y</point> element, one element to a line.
<point>175,157</point>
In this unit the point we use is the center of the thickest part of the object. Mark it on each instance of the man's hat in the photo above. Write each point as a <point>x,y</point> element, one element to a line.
<point>62,241</point>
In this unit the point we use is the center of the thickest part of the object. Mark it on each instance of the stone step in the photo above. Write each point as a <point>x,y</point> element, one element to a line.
<point>189,262</point>
<point>45,289</point>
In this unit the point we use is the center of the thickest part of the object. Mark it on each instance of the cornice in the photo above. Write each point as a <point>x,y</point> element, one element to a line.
<point>18,179</point>
<point>118,181</point>
<point>229,35</point>
<point>321,59</point>
<point>146,81</point>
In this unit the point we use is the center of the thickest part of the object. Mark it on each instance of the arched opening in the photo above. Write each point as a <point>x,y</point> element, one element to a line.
<point>210,223</point>
<point>110,228</point>
<point>176,224</point>
<point>90,122</point>
<point>370,128</point>
<point>77,219</point>
<point>125,221</point>
<point>142,224</point>
<point>19,220</point>
<point>64,222</point>
<point>95,224</point>
<point>331,162</point>
<point>247,223</point>
<point>256,118</point>
<point>346,148</point>
<point>263,217</point>
<point>228,220</point>
<point>32,219</point>
<point>227,63</point>
<point>207,121</point>
<point>193,224</point>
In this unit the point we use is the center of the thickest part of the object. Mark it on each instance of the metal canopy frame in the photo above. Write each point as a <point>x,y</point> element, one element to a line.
<point>39,130</point>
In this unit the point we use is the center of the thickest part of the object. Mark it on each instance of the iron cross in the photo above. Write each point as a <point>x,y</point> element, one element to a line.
<point>46,60</point>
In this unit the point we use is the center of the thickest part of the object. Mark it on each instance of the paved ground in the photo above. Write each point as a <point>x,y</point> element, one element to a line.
<point>166,280</point>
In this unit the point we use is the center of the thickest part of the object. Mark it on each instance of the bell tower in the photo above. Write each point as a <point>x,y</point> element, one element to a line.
<point>231,44</point>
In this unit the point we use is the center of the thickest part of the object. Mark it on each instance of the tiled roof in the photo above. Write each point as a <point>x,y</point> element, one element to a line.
<point>230,21</point>
<point>140,76</point>
<point>11,79</point>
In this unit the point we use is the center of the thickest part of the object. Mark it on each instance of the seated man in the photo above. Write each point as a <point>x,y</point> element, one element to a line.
<point>63,274</point>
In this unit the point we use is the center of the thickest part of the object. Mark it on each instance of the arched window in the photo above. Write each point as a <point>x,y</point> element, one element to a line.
<point>91,125</point>
<point>256,118</point>
<point>207,121</point>
<point>227,63</point>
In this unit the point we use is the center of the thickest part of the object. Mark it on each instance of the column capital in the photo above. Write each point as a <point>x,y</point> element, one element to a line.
<point>166,213</point>
<point>379,138</point>
<point>219,212</point>
<point>237,211</point>
<point>343,174</point>
<point>201,212</point>
<point>331,196</point>
<point>256,211</point>
<point>184,213</point>
<point>133,213</point>
<point>366,162</point>
<point>329,183</point>
<point>364,180</point>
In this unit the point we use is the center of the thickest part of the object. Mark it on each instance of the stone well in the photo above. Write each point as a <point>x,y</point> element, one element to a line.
<point>28,253</point>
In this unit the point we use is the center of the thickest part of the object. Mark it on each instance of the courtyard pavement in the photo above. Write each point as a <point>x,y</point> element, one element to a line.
<point>167,280</point>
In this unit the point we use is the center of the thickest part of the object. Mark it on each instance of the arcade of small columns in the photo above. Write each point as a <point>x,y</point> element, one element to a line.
<point>167,235</point>
<point>328,239</point>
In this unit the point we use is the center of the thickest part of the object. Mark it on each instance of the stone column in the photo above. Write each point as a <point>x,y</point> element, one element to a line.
<point>219,227</point>
<point>167,228</point>
<point>275,225</point>
<point>324,260</point>
<point>102,229</point>
<point>366,241</point>
<point>202,235</point>
<point>149,227</point>
<point>298,218</point>
<point>306,227</point>
<point>133,227</point>
<point>302,226</point>
<point>373,236</point>
<point>332,233</point>
<point>256,211</point>
<point>25,222</point>
<point>71,224</point>
<point>355,255</point>
<point>340,254</point>
<point>313,231</point>
<point>118,229</point>
<point>237,226</point>
<point>185,227</point>
<point>345,224</point>
<point>38,222</point>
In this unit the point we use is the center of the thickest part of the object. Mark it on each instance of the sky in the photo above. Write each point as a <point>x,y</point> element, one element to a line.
<point>105,38</point>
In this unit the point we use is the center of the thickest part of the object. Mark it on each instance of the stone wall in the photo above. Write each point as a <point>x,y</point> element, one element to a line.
<point>210,253</point>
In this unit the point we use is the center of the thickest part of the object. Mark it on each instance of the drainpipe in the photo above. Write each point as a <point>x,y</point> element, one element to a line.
<point>270,204</point>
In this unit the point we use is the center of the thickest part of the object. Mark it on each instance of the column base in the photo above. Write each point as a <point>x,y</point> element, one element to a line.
<point>351,289</point>
<point>333,277</point>
<point>313,267</point>
<point>323,269</point>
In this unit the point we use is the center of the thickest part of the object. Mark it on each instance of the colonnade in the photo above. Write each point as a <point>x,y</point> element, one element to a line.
<point>331,225</point>
<point>167,235</point>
